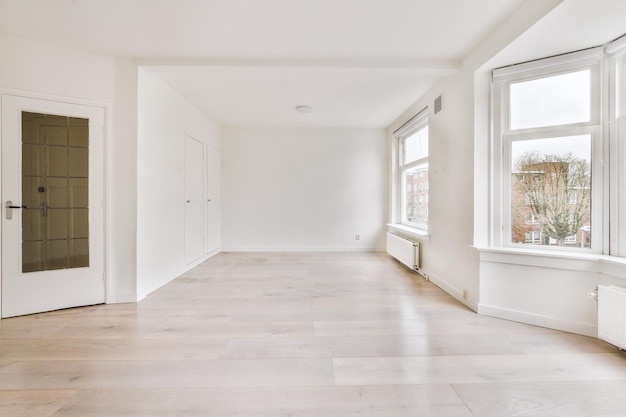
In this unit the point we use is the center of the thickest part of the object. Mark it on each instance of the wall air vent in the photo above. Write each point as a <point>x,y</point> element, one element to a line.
<point>438,105</point>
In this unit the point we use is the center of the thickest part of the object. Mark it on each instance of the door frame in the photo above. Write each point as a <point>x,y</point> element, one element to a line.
<point>106,151</point>
<point>213,198</point>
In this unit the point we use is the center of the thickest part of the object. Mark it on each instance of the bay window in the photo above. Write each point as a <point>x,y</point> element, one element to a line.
<point>558,155</point>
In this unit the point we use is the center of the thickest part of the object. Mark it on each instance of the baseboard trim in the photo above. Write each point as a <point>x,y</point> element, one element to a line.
<point>452,291</point>
<point>304,249</point>
<point>584,329</point>
<point>122,298</point>
<point>198,261</point>
<point>136,297</point>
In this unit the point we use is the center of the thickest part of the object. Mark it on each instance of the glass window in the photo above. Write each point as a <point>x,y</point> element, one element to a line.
<point>551,101</point>
<point>412,141</point>
<point>571,240</point>
<point>413,198</point>
<point>533,237</point>
<point>550,139</point>
<point>547,173</point>
<point>415,147</point>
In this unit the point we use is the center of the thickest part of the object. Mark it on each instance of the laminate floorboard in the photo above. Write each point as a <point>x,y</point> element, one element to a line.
<point>300,335</point>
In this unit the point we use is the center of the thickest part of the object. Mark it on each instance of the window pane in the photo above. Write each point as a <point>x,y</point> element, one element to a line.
<point>551,101</point>
<point>415,146</point>
<point>55,221</point>
<point>415,195</point>
<point>551,191</point>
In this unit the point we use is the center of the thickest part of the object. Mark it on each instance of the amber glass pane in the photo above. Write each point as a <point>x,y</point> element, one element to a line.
<point>79,132</point>
<point>55,192</point>
<point>32,256</point>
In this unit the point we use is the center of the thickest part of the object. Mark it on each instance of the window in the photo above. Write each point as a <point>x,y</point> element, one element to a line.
<point>412,139</point>
<point>531,218</point>
<point>528,198</point>
<point>565,164</point>
<point>553,100</point>
<point>571,240</point>
<point>559,157</point>
<point>551,139</point>
<point>533,237</point>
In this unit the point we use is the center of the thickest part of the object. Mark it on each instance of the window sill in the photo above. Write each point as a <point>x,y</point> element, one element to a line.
<point>410,232</point>
<point>538,252</point>
<point>575,261</point>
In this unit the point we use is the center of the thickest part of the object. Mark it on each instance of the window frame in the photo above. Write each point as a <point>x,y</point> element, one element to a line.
<point>616,58</point>
<point>504,137</point>
<point>400,135</point>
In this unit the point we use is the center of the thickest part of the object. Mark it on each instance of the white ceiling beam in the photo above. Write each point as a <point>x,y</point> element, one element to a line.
<point>439,67</point>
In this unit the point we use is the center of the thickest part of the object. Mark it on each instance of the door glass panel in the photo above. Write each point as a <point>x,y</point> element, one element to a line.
<point>32,160</point>
<point>78,162</point>
<point>55,216</point>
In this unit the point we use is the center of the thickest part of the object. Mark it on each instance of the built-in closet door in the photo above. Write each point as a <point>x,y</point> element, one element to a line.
<point>194,199</point>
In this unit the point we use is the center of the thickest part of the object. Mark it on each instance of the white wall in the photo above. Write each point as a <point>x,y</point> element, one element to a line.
<point>549,290</point>
<point>122,186</point>
<point>448,258</point>
<point>448,254</point>
<point>46,69</point>
<point>301,189</point>
<point>165,117</point>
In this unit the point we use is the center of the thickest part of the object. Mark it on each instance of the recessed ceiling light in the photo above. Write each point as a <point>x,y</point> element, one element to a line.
<point>303,109</point>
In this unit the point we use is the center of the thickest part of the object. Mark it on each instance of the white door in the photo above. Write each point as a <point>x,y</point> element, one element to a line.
<point>213,201</point>
<point>52,205</point>
<point>194,197</point>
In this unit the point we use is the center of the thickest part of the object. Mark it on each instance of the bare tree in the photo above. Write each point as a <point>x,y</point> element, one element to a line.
<point>556,190</point>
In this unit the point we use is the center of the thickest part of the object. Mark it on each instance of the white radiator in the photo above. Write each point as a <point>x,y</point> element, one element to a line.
<point>612,315</point>
<point>404,250</point>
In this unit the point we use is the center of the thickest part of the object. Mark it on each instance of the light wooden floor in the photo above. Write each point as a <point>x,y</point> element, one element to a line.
<point>300,335</point>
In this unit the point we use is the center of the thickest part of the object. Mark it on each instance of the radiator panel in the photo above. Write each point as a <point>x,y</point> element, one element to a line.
<point>404,250</point>
<point>612,315</point>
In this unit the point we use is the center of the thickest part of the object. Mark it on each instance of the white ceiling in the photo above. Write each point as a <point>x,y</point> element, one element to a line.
<point>358,63</point>
<point>571,26</point>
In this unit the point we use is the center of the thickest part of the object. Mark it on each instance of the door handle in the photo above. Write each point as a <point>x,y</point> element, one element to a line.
<point>9,209</point>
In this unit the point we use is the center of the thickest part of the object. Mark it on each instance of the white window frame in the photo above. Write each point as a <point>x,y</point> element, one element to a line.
<point>616,57</point>
<point>503,137</point>
<point>416,123</point>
